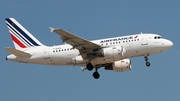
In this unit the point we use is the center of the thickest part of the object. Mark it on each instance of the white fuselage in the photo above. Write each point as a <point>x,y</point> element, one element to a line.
<point>135,45</point>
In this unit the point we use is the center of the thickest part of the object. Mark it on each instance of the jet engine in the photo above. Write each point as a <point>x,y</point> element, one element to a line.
<point>120,66</point>
<point>114,52</point>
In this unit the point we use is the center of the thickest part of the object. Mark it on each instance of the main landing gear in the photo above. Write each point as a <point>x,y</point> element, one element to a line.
<point>147,62</point>
<point>96,74</point>
<point>90,67</point>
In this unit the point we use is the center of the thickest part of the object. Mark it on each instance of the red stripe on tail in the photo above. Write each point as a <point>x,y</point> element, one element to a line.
<point>17,41</point>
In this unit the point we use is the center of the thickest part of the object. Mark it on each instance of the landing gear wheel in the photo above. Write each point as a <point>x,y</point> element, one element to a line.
<point>148,64</point>
<point>89,66</point>
<point>96,75</point>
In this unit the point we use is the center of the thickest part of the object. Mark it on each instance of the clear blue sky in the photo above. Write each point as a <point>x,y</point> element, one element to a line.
<point>92,19</point>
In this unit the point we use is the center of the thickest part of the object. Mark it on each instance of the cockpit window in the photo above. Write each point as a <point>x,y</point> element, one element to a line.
<point>158,37</point>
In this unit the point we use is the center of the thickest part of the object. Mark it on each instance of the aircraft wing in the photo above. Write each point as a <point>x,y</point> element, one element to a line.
<point>77,42</point>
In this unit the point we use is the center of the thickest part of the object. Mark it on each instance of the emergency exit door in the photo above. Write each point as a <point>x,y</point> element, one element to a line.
<point>144,39</point>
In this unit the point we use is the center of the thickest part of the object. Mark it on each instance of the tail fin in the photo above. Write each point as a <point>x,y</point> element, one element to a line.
<point>20,36</point>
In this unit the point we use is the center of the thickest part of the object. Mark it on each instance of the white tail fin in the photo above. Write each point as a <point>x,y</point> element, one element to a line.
<point>20,36</point>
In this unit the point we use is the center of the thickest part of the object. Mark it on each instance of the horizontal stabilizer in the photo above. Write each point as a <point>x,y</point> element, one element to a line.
<point>17,52</point>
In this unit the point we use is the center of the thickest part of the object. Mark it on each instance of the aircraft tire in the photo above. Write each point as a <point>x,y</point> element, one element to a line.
<point>148,64</point>
<point>96,75</point>
<point>89,66</point>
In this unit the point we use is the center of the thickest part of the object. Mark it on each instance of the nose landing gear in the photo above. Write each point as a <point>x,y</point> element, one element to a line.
<point>147,62</point>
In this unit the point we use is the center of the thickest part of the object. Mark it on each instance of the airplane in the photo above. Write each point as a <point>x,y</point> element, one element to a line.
<point>110,53</point>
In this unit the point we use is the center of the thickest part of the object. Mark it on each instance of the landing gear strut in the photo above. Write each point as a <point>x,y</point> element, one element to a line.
<point>96,74</point>
<point>147,62</point>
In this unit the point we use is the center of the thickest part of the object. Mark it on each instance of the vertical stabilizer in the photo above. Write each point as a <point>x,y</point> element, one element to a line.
<point>20,36</point>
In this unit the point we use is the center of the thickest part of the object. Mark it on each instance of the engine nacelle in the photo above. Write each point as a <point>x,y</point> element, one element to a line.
<point>114,52</point>
<point>120,66</point>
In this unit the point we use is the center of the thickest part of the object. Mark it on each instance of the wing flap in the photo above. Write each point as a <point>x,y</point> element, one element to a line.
<point>17,52</point>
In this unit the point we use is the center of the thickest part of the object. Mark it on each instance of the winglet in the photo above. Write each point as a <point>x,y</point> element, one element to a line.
<point>83,69</point>
<point>52,29</point>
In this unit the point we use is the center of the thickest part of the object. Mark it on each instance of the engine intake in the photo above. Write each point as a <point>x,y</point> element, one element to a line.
<point>120,66</point>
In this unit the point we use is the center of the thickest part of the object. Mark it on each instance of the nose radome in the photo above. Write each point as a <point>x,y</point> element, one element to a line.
<point>169,43</point>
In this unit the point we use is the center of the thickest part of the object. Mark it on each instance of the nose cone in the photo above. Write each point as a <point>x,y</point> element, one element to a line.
<point>169,43</point>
